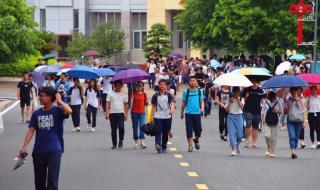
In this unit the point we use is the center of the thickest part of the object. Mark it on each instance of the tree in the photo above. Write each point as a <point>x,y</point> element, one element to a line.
<point>48,42</point>
<point>18,36</point>
<point>158,41</point>
<point>78,44</point>
<point>107,40</point>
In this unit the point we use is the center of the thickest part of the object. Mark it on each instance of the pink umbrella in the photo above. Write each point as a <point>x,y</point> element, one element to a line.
<point>311,78</point>
<point>90,53</point>
<point>67,66</point>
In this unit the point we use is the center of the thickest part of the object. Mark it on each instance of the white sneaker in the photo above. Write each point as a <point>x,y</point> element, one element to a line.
<point>137,146</point>
<point>92,129</point>
<point>313,146</point>
<point>74,129</point>
<point>78,129</point>
<point>233,153</point>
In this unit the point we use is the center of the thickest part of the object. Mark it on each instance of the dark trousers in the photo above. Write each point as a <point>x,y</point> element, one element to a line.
<point>165,127</point>
<point>46,170</point>
<point>207,106</point>
<point>117,123</point>
<point>314,123</point>
<point>151,80</point>
<point>104,101</point>
<point>92,111</point>
<point>75,115</point>
<point>193,124</point>
<point>223,121</point>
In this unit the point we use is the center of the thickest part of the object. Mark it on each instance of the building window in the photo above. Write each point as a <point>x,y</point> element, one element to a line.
<point>180,39</point>
<point>42,19</point>
<point>139,29</point>
<point>76,19</point>
<point>97,18</point>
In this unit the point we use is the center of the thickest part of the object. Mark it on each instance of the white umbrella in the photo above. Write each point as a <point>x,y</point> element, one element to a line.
<point>282,67</point>
<point>233,79</point>
<point>37,69</point>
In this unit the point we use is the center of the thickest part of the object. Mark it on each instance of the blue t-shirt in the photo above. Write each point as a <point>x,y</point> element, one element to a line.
<point>193,106</point>
<point>49,130</point>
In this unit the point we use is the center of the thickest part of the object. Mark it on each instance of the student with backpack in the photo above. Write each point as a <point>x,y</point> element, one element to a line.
<point>192,107</point>
<point>75,95</point>
<point>161,113</point>
<point>294,108</point>
<point>92,103</point>
<point>271,110</point>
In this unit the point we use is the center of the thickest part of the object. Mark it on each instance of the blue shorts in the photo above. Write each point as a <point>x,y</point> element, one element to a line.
<point>193,124</point>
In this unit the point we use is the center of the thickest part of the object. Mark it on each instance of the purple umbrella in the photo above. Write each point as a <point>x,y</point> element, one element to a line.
<point>175,56</point>
<point>131,76</point>
<point>38,78</point>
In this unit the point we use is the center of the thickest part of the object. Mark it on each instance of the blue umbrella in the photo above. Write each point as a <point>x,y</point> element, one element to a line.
<point>82,72</point>
<point>105,72</point>
<point>215,64</point>
<point>284,81</point>
<point>49,69</point>
<point>297,57</point>
<point>49,56</point>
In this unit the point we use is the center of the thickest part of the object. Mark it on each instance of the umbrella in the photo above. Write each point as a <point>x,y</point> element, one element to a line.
<point>232,79</point>
<point>282,67</point>
<point>311,78</point>
<point>58,65</point>
<point>38,78</point>
<point>82,72</point>
<point>105,72</point>
<point>131,76</point>
<point>49,69</point>
<point>297,57</point>
<point>21,161</point>
<point>37,69</point>
<point>175,55</point>
<point>63,71</point>
<point>49,56</point>
<point>117,69</point>
<point>259,74</point>
<point>67,66</point>
<point>285,81</point>
<point>90,53</point>
<point>215,64</point>
<point>131,66</point>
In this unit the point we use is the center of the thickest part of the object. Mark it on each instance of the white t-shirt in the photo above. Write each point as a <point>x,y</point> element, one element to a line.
<point>152,68</point>
<point>158,78</point>
<point>117,100</point>
<point>165,77</point>
<point>106,86</point>
<point>235,109</point>
<point>205,69</point>
<point>92,96</point>
<point>75,98</point>
<point>314,104</point>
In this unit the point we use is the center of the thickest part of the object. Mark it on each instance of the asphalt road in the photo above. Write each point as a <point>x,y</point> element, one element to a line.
<point>89,163</point>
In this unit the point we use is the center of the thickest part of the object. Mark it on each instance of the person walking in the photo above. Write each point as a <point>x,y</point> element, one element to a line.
<point>161,115</point>
<point>206,86</point>
<point>192,107</point>
<point>252,112</point>
<point>151,70</point>
<point>294,108</point>
<point>138,116</point>
<point>106,89</point>
<point>75,95</point>
<point>63,86</point>
<point>49,81</point>
<point>24,94</point>
<point>235,120</point>
<point>270,112</point>
<point>117,113</point>
<point>91,104</point>
<point>222,98</point>
<point>47,123</point>
<point>313,107</point>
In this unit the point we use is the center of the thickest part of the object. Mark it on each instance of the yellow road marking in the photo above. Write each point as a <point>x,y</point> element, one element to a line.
<point>173,149</point>
<point>178,156</point>
<point>202,187</point>
<point>192,174</point>
<point>184,164</point>
<point>169,143</point>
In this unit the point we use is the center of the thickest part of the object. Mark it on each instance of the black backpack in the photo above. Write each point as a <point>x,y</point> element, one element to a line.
<point>272,118</point>
<point>199,96</point>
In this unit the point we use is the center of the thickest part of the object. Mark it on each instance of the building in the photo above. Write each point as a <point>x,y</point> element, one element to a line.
<point>135,17</point>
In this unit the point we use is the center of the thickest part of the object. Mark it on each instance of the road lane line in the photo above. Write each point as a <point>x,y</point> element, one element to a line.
<point>10,107</point>
<point>202,187</point>
<point>192,174</point>
<point>184,164</point>
<point>178,156</point>
<point>173,149</point>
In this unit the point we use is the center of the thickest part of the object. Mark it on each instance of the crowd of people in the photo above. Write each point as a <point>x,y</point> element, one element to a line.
<point>243,112</point>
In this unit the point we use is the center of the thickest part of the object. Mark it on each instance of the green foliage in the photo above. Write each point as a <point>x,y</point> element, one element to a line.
<point>107,40</point>
<point>17,68</point>
<point>158,41</point>
<point>18,36</point>
<point>79,44</point>
<point>254,26</point>
<point>48,42</point>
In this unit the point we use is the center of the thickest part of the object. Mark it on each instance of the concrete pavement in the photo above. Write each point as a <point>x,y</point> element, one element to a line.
<point>89,163</point>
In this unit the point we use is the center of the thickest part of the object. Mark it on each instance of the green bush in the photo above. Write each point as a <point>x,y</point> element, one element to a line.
<point>18,68</point>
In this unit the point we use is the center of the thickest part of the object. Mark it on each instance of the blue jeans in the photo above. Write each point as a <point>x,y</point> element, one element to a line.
<point>138,120</point>
<point>293,131</point>
<point>235,128</point>
<point>46,170</point>
<point>165,127</point>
